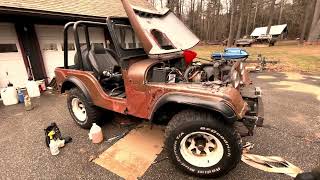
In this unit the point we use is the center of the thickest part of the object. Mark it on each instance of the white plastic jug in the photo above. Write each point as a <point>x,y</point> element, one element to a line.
<point>54,147</point>
<point>9,96</point>
<point>95,134</point>
<point>33,89</point>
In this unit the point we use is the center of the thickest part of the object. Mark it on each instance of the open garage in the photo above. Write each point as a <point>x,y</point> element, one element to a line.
<point>51,44</point>
<point>31,35</point>
<point>12,66</point>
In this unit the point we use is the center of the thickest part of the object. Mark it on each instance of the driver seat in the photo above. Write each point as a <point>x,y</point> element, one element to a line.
<point>102,60</point>
<point>106,69</point>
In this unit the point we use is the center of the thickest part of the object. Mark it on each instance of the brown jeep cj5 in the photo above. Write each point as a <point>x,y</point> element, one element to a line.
<point>141,72</point>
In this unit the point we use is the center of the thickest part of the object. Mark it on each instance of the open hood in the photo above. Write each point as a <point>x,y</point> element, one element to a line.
<point>159,32</point>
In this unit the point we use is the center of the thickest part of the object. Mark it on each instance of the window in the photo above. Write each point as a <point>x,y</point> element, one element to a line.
<point>127,37</point>
<point>5,48</point>
<point>162,40</point>
<point>50,47</point>
<point>71,47</point>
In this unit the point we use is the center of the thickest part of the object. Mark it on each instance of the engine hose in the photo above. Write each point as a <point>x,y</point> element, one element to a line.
<point>189,70</point>
<point>194,75</point>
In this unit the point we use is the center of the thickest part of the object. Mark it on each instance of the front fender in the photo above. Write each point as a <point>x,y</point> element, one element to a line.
<point>71,82</point>
<point>221,107</point>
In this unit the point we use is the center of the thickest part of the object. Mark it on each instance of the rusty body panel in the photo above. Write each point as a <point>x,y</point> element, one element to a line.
<point>245,77</point>
<point>142,96</point>
<point>98,96</point>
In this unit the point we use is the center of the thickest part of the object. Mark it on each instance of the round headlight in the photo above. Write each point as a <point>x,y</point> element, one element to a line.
<point>235,79</point>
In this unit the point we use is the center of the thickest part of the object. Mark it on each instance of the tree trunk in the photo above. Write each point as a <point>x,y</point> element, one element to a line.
<point>308,9</point>
<point>177,7</point>
<point>191,15</point>
<point>249,5</point>
<point>240,20</point>
<point>316,14</point>
<point>181,6</point>
<point>282,3</point>
<point>270,16</point>
<point>201,20</point>
<point>210,9</point>
<point>314,34</point>
<point>233,10</point>
<point>216,19</point>
<point>170,5</point>
<point>315,26</point>
<point>255,14</point>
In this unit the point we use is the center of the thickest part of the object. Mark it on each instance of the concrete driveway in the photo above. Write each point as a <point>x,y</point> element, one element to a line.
<point>292,130</point>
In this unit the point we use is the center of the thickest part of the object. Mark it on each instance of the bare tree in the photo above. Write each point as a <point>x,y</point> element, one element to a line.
<point>282,3</point>
<point>221,19</point>
<point>178,8</point>
<point>307,12</point>
<point>270,15</point>
<point>191,14</point>
<point>315,26</point>
<point>240,19</point>
<point>255,13</point>
<point>231,28</point>
<point>216,19</point>
<point>170,5</point>
<point>201,18</point>
<point>249,5</point>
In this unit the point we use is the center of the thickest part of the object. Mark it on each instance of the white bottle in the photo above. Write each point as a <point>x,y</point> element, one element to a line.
<point>95,134</point>
<point>54,147</point>
<point>33,88</point>
<point>9,96</point>
<point>60,143</point>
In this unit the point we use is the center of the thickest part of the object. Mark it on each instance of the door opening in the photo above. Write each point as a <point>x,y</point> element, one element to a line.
<point>31,54</point>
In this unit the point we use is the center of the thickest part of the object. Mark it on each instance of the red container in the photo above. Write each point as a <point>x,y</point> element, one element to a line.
<point>189,56</point>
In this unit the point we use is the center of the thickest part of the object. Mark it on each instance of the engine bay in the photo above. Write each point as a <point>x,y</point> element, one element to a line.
<point>170,71</point>
<point>222,72</point>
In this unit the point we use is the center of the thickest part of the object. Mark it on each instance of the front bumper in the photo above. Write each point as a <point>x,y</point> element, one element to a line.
<point>255,113</point>
<point>255,106</point>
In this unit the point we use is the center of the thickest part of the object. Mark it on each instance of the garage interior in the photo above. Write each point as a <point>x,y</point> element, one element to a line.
<point>31,43</point>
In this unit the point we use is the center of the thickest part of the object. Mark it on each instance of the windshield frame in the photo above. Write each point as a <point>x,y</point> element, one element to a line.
<point>124,54</point>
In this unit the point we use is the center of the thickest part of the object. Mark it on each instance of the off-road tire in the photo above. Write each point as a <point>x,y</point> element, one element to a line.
<point>93,113</point>
<point>188,121</point>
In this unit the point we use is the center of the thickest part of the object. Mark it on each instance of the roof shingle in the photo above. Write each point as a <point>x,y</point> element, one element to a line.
<point>98,8</point>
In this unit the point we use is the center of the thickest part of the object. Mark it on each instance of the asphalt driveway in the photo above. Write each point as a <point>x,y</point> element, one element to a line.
<point>292,130</point>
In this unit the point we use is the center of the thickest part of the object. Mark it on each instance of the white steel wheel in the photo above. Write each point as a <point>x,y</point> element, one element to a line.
<point>78,109</point>
<point>201,149</point>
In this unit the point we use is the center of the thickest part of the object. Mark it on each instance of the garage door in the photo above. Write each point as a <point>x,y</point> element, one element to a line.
<point>11,60</point>
<point>51,43</point>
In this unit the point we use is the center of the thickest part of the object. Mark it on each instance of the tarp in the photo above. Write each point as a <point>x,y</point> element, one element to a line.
<point>274,30</point>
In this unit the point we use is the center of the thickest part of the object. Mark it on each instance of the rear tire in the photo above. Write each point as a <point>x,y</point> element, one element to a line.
<point>83,113</point>
<point>201,144</point>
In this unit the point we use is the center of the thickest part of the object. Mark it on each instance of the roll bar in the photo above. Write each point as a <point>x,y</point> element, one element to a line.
<point>65,43</point>
<point>76,38</point>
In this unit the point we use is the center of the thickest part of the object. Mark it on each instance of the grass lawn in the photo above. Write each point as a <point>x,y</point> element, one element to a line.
<point>292,57</point>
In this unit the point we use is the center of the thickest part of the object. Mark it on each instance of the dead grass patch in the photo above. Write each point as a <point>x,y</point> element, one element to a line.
<point>294,58</point>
